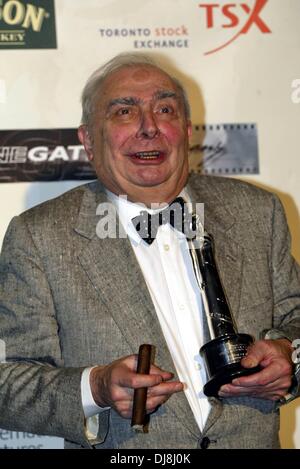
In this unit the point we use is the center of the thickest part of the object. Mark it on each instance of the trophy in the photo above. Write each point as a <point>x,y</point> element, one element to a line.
<point>222,354</point>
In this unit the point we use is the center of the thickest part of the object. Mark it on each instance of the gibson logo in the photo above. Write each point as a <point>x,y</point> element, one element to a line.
<point>232,15</point>
<point>27,25</point>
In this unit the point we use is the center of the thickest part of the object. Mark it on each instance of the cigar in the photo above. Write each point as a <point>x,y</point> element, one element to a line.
<point>139,418</point>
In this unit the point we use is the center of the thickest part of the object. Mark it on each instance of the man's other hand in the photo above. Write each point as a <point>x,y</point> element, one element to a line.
<point>273,381</point>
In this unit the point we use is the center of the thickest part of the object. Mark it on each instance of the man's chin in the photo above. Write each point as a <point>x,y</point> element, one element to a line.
<point>152,178</point>
<point>151,183</point>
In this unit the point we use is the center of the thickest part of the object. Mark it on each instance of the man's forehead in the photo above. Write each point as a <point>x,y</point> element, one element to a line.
<point>136,100</point>
<point>138,77</point>
<point>142,74</point>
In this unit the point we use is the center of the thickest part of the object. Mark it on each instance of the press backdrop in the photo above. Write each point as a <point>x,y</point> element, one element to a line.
<point>238,59</point>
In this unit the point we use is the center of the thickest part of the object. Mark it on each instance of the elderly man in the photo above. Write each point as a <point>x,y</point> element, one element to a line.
<point>75,306</point>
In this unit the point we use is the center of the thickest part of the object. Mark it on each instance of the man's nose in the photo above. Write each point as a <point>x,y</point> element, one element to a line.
<point>148,127</point>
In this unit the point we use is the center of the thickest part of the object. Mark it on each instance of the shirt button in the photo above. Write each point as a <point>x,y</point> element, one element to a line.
<point>205,442</point>
<point>166,247</point>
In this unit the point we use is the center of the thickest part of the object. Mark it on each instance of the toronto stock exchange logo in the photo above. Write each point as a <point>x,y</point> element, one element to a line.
<point>170,37</point>
<point>234,19</point>
<point>27,24</point>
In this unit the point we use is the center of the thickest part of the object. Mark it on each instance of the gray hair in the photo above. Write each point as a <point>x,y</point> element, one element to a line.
<point>127,59</point>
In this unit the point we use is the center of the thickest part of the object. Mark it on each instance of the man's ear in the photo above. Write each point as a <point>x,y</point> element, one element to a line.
<point>86,141</point>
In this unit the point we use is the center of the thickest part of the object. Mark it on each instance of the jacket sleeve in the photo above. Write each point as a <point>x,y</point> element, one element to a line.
<point>37,393</point>
<point>286,277</point>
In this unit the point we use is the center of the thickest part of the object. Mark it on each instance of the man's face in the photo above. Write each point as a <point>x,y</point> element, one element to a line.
<point>139,135</point>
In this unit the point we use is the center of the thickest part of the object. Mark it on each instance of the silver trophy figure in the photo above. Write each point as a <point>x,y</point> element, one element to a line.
<point>222,354</point>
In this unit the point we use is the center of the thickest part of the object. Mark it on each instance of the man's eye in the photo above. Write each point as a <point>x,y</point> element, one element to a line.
<point>123,112</point>
<point>165,110</point>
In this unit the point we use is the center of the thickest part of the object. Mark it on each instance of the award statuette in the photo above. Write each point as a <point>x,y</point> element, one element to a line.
<point>225,349</point>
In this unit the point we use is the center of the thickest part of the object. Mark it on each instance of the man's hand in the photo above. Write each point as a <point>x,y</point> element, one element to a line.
<point>113,385</point>
<point>275,378</point>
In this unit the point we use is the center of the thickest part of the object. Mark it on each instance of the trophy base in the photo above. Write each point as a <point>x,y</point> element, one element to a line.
<point>222,358</point>
<point>212,387</point>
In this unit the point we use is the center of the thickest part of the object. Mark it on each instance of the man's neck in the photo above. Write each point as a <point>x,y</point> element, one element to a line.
<point>154,195</point>
<point>155,199</point>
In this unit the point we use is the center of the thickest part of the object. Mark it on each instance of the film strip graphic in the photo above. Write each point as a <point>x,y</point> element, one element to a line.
<point>224,149</point>
<point>56,154</point>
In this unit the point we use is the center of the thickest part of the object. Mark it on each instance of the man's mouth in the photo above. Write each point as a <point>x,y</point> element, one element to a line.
<point>147,155</point>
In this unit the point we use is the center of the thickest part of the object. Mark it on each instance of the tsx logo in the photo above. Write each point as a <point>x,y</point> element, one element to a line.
<point>244,16</point>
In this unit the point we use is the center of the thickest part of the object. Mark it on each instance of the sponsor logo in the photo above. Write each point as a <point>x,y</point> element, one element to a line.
<point>42,155</point>
<point>224,149</point>
<point>56,154</point>
<point>27,25</point>
<point>25,440</point>
<point>150,38</point>
<point>241,17</point>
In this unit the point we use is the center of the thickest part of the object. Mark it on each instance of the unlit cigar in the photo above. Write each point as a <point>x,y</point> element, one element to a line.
<point>139,418</point>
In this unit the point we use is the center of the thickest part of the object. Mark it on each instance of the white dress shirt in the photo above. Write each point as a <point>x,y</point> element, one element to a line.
<point>169,275</point>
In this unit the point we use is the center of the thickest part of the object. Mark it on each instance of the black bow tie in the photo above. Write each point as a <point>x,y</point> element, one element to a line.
<point>147,225</point>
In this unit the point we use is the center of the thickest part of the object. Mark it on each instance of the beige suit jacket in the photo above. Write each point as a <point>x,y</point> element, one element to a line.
<point>69,300</point>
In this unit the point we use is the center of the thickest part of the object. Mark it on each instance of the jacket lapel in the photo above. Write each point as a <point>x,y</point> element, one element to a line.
<point>220,223</point>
